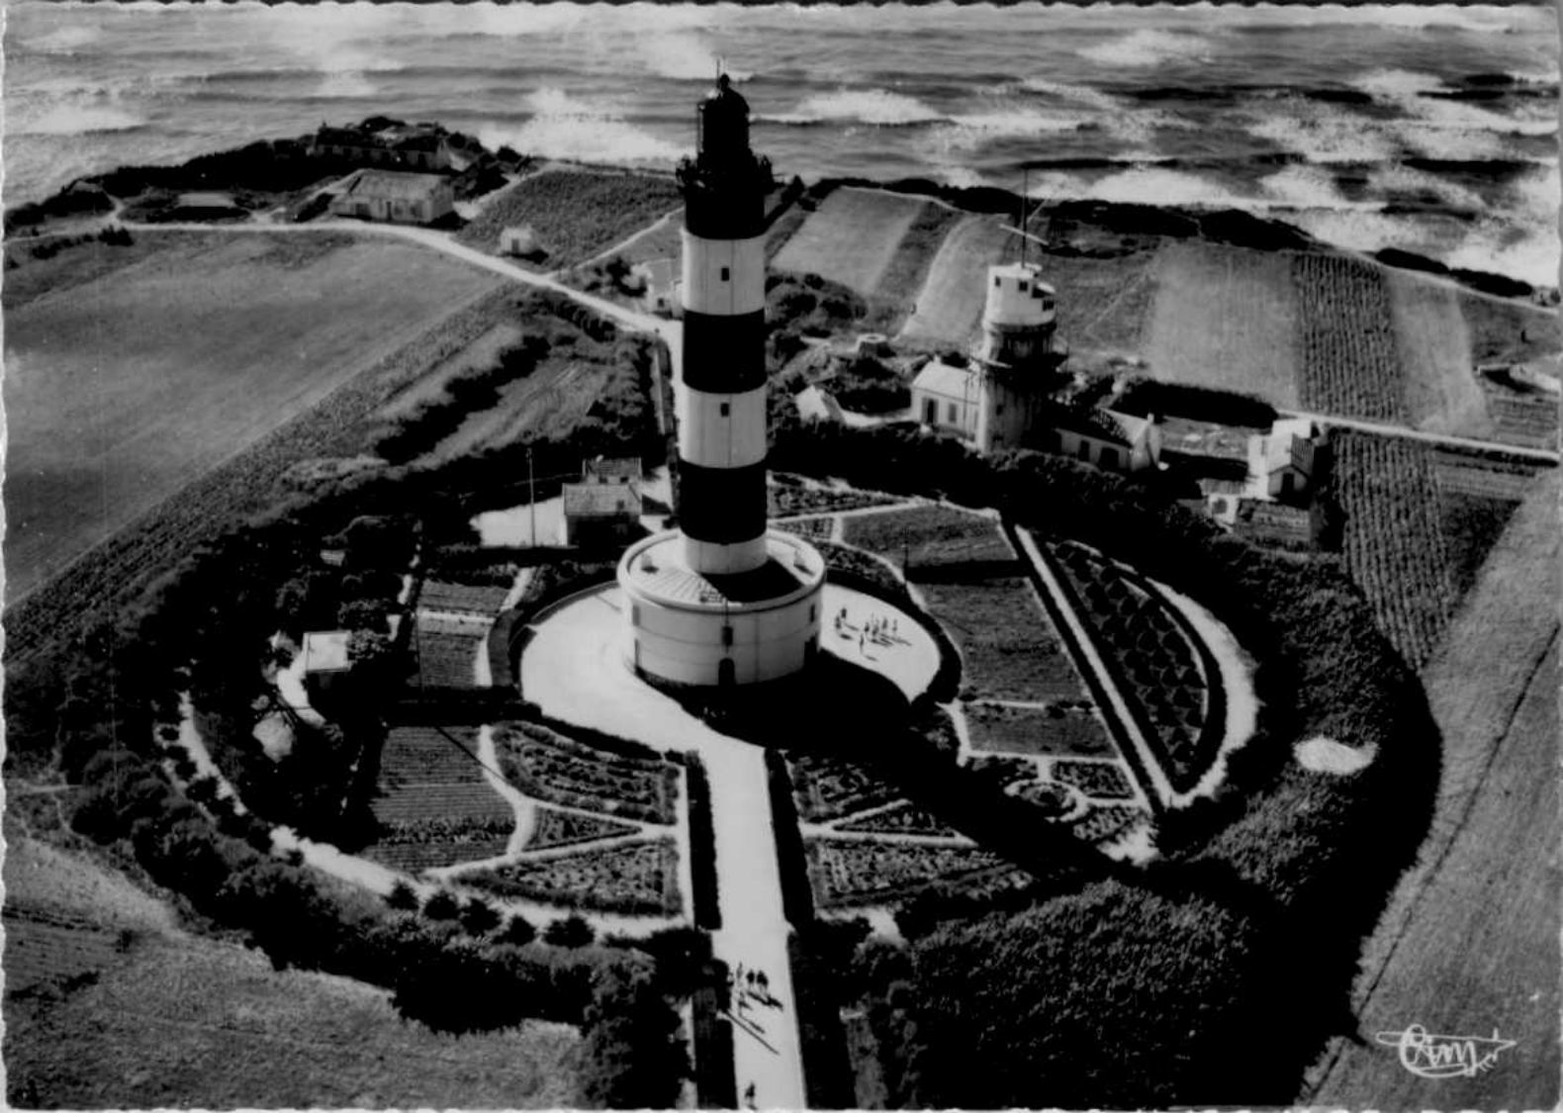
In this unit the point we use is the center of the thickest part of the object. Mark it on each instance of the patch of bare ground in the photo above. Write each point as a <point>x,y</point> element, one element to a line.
<point>191,1023</point>
<point>1469,943</point>
<point>1224,317</point>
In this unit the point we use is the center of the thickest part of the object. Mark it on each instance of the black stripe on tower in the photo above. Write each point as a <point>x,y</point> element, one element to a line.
<point>721,505</point>
<point>724,352</point>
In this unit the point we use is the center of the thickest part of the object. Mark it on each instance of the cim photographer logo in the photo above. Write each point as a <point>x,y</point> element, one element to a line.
<point>1434,1056</point>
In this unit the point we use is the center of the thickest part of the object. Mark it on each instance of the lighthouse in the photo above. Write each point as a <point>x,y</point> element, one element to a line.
<point>723,600</point>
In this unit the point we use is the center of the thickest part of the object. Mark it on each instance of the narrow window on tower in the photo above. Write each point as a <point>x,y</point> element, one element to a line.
<point>813,611</point>
<point>726,274</point>
<point>727,635</point>
<point>997,282</point>
<point>727,409</point>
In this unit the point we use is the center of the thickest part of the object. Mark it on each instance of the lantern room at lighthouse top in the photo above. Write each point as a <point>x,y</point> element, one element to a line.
<point>1017,296</point>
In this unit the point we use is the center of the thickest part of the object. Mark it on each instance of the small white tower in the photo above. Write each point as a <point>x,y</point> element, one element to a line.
<point>1020,316</point>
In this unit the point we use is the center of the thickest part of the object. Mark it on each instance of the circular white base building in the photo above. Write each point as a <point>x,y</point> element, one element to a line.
<point>707,629</point>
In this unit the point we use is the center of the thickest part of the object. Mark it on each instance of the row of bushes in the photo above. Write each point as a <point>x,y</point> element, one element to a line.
<point>702,845</point>
<point>474,389</point>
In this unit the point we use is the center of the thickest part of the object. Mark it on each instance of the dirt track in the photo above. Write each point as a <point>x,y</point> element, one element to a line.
<point>1470,942</point>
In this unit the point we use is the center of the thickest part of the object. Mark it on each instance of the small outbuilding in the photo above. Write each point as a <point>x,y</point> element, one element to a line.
<point>518,240</point>
<point>600,514</point>
<point>395,196</point>
<point>1106,439</point>
<point>611,471</point>
<point>1281,464</point>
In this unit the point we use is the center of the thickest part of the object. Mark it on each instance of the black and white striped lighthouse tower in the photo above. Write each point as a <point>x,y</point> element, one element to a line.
<point>721,418</point>
<point>722,600</point>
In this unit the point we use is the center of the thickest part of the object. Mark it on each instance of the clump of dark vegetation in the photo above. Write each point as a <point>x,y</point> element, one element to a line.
<point>1143,396</point>
<point>1262,895</point>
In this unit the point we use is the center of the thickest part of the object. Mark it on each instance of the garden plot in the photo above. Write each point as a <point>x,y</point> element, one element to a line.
<point>555,769</point>
<point>792,497</point>
<point>631,878</point>
<point>1054,729</point>
<point>825,788</point>
<point>555,829</point>
<point>929,535</point>
<point>851,238</point>
<point>447,653</point>
<point>845,872</point>
<point>456,597</point>
<point>434,806</point>
<point>897,820</point>
<point>1169,687</point>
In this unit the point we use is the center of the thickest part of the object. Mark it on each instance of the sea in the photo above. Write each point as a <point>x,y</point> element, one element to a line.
<point>1431,129</point>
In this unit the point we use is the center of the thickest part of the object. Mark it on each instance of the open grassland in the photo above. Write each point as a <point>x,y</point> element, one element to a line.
<point>851,238</point>
<point>1434,343</point>
<point>1470,941</point>
<point>121,388</point>
<point>1510,332</point>
<point>1104,304</point>
<point>1347,363</point>
<point>1224,318</point>
<point>248,481</point>
<point>188,1023</point>
<point>949,307</point>
<point>574,214</point>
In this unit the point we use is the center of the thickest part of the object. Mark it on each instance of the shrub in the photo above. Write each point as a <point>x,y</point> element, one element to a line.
<point>518,931</point>
<point>402,897</point>
<point>478,918</point>
<point>571,930</point>
<point>442,906</point>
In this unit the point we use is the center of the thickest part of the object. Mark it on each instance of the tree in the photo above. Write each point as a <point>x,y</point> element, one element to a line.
<point>518,932</point>
<point>633,1057</point>
<point>572,930</point>
<point>442,905</point>
<point>478,918</point>
<point>402,897</point>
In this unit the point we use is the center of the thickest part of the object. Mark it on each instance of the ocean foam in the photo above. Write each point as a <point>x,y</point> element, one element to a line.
<point>1147,47</point>
<point>563,127</point>
<point>64,40</point>
<point>683,56</point>
<point>1302,186</point>
<point>1398,179</point>
<point>1323,134</point>
<point>75,119</point>
<point>862,106</point>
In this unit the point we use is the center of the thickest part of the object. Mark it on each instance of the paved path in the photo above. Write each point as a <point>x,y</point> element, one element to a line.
<point>1391,430</point>
<point>574,669</point>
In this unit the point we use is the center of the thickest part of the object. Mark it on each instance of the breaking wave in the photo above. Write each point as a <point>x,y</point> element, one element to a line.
<point>564,127</point>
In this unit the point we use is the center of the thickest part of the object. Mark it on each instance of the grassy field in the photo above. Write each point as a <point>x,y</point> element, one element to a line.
<point>189,1023</point>
<point>1434,343</point>
<point>851,238</point>
<point>122,387</point>
<point>1223,318</point>
<point>575,214</point>
<point>949,306</point>
<point>1033,732</point>
<point>1470,942</point>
